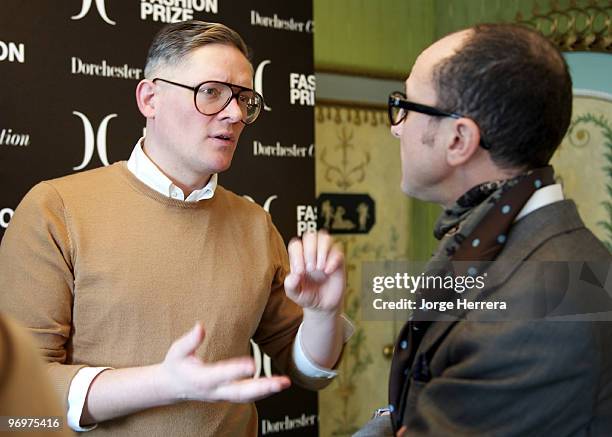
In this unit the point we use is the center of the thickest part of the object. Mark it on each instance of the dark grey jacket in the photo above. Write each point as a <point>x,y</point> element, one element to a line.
<point>520,378</point>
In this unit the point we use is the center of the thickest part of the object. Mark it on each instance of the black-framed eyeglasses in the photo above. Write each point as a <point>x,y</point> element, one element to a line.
<point>398,107</point>
<point>211,97</point>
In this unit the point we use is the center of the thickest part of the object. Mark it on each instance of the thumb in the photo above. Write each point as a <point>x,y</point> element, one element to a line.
<point>292,285</point>
<point>188,343</point>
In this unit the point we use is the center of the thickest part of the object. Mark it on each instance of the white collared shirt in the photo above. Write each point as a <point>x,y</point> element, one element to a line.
<point>144,169</point>
<point>541,197</point>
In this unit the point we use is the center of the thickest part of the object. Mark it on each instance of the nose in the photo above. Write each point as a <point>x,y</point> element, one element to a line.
<point>396,130</point>
<point>232,111</point>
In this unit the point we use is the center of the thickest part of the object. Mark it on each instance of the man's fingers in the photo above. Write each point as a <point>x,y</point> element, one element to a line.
<point>188,343</point>
<point>296,256</point>
<point>250,390</point>
<point>324,242</point>
<point>292,285</point>
<point>227,371</point>
<point>335,259</point>
<point>309,241</point>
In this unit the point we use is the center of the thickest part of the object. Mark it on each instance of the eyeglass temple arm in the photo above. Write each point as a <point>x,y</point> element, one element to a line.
<point>192,88</point>
<point>425,109</point>
<point>395,101</point>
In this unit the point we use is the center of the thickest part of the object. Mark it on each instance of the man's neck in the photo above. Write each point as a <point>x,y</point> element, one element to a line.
<point>466,178</point>
<point>187,185</point>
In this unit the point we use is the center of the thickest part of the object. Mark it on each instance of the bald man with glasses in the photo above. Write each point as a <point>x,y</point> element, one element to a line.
<point>482,112</point>
<point>145,281</point>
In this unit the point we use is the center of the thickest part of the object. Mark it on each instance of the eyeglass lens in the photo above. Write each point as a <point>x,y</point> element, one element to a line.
<point>396,114</point>
<point>212,97</point>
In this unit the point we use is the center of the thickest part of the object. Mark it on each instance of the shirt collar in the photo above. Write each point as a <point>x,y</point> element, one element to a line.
<point>541,197</point>
<point>148,173</point>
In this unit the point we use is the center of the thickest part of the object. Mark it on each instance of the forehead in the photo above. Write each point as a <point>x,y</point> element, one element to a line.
<point>420,80</point>
<point>220,62</point>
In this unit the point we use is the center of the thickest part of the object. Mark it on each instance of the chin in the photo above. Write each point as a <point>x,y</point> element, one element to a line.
<point>221,166</point>
<point>413,192</point>
<point>406,188</point>
<point>217,162</point>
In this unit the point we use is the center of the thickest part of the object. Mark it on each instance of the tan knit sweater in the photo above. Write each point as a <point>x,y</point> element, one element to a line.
<point>107,272</point>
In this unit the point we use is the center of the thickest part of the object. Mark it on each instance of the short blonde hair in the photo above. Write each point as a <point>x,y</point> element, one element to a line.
<point>175,41</point>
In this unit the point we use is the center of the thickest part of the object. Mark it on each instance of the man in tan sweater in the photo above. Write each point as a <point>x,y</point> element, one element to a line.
<point>110,268</point>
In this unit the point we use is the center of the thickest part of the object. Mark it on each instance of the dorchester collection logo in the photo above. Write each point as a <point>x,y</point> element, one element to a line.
<point>263,362</point>
<point>13,52</point>
<point>104,69</point>
<point>266,205</point>
<point>278,150</point>
<point>6,214</point>
<point>276,22</point>
<point>302,89</point>
<point>100,6</point>
<point>10,138</point>
<point>259,80</point>
<point>174,11</point>
<point>99,143</point>
<point>287,424</point>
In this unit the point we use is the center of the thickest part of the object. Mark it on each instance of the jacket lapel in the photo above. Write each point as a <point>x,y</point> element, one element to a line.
<point>525,237</point>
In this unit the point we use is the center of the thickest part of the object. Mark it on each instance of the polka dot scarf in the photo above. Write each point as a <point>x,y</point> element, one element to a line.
<point>476,227</point>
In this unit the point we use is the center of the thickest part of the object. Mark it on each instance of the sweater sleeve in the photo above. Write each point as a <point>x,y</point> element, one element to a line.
<point>281,319</point>
<point>37,281</point>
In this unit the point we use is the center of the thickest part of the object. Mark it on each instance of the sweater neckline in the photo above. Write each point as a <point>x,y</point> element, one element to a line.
<point>143,188</point>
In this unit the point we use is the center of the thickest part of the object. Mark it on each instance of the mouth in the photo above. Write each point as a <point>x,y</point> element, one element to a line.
<point>225,137</point>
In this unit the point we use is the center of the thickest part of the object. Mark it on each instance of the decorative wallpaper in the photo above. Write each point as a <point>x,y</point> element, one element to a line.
<point>356,153</point>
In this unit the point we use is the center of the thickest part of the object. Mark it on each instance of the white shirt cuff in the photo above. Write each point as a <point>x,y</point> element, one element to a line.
<point>306,365</point>
<point>77,393</point>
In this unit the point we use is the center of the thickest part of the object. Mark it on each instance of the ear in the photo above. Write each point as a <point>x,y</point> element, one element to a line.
<point>145,98</point>
<point>465,142</point>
